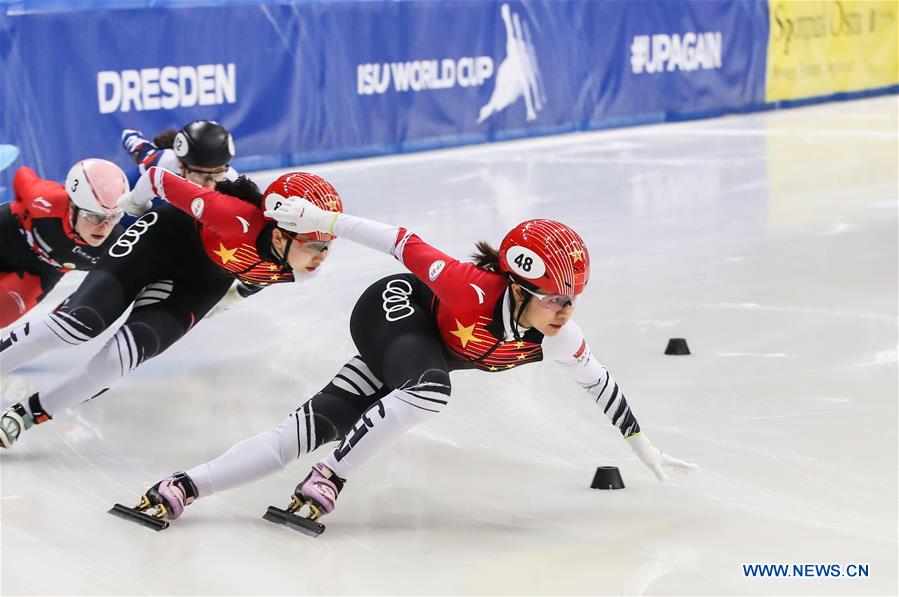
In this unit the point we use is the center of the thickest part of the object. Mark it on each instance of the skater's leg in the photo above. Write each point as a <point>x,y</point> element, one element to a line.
<point>164,242</point>
<point>149,330</point>
<point>324,418</point>
<point>407,354</point>
<point>81,317</point>
<point>164,312</point>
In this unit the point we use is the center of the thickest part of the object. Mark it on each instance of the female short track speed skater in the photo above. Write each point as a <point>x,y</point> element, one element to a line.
<point>509,308</point>
<point>173,264</point>
<point>49,230</point>
<point>200,152</point>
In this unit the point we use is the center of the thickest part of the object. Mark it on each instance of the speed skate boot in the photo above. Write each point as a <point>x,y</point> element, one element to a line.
<point>16,419</point>
<point>164,501</point>
<point>319,491</point>
<point>315,496</point>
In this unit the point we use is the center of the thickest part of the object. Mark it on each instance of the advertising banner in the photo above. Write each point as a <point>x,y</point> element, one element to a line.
<point>303,81</point>
<point>822,47</point>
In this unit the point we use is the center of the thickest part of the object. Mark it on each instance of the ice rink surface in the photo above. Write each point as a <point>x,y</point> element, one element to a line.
<point>769,241</point>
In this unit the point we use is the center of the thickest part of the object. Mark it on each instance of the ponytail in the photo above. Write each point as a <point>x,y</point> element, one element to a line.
<point>486,257</point>
<point>242,188</point>
<point>165,139</point>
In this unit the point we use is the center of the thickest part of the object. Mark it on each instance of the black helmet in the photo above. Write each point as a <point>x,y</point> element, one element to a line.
<point>205,144</point>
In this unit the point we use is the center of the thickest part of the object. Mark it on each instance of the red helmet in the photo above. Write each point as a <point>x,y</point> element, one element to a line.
<point>314,189</point>
<point>548,255</point>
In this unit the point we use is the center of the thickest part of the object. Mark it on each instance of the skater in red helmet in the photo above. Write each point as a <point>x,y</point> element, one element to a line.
<point>50,229</point>
<point>509,308</point>
<point>173,265</point>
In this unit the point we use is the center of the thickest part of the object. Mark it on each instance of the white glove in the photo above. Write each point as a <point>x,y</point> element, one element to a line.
<point>657,461</point>
<point>132,205</point>
<point>299,215</point>
<point>139,199</point>
<point>132,140</point>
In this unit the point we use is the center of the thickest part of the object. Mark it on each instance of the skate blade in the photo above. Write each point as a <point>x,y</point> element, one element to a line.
<point>298,523</point>
<point>135,515</point>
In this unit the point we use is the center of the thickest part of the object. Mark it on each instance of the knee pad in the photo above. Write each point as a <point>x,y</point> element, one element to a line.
<point>75,325</point>
<point>432,388</point>
<point>308,428</point>
<point>417,399</point>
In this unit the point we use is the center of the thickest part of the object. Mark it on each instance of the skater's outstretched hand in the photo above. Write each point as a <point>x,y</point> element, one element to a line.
<point>299,215</point>
<point>139,199</point>
<point>657,461</point>
<point>132,205</point>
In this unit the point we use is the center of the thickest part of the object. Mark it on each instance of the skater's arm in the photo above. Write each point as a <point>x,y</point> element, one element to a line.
<point>569,348</point>
<point>448,277</point>
<point>218,211</point>
<point>143,151</point>
<point>41,198</point>
<point>445,275</point>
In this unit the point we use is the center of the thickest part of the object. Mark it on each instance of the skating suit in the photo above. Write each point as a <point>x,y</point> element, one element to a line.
<point>39,244</point>
<point>229,228</point>
<point>448,315</point>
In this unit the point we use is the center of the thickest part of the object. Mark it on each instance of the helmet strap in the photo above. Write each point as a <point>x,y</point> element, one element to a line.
<point>282,259</point>
<point>522,305</point>
<point>74,210</point>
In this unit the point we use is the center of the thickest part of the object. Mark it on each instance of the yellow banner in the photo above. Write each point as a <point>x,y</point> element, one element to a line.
<point>819,47</point>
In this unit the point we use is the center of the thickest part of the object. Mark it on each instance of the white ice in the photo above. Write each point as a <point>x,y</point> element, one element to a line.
<point>769,241</point>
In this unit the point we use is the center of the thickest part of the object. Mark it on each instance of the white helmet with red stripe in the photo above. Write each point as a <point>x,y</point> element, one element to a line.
<point>546,255</point>
<point>95,185</point>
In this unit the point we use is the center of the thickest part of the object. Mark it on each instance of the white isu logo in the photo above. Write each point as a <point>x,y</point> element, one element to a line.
<point>518,74</point>
<point>396,300</point>
<point>125,243</point>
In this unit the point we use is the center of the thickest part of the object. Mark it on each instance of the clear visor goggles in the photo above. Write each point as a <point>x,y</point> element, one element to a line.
<point>310,246</point>
<point>215,175</point>
<point>553,302</point>
<point>98,219</point>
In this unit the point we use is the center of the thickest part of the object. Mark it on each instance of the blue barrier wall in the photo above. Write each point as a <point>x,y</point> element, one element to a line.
<point>307,81</point>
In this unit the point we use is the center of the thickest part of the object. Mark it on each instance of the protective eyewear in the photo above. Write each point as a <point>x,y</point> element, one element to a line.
<point>554,302</point>
<point>312,246</point>
<point>207,175</point>
<point>98,219</point>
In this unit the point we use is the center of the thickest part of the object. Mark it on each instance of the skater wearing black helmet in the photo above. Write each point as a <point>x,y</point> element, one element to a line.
<point>200,152</point>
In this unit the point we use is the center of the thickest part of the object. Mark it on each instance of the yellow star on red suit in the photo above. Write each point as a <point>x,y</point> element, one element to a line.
<point>521,357</point>
<point>577,255</point>
<point>225,254</point>
<point>519,344</point>
<point>464,333</point>
<point>492,368</point>
<point>275,277</point>
<point>273,268</point>
<point>331,204</point>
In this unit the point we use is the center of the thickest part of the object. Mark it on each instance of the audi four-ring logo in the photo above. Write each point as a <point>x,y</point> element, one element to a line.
<point>125,243</point>
<point>396,300</point>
